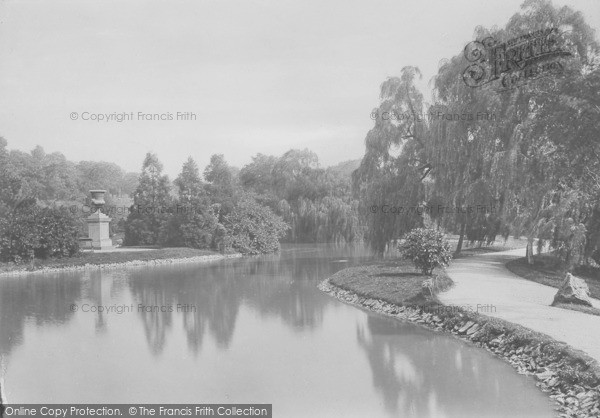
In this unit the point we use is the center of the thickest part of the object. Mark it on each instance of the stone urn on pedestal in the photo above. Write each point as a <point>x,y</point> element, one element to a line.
<point>98,222</point>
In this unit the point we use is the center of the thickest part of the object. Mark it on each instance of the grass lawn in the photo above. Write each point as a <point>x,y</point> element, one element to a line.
<point>549,270</point>
<point>97,258</point>
<point>394,282</point>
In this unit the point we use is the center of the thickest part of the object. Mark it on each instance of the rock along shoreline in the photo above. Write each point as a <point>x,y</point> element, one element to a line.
<point>574,396</point>
<point>131,263</point>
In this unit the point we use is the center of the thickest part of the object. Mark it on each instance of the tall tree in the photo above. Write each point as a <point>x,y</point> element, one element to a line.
<point>194,222</point>
<point>147,219</point>
<point>529,161</point>
<point>394,164</point>
<point>536,151</point>
<point>460,151</point>
<point>221,187</point>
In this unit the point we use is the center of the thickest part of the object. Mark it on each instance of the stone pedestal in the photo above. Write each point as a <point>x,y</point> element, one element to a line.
<point>98,223</point>
<point>98,230</point>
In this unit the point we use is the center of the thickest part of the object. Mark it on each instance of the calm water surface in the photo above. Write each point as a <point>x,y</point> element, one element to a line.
<point>241,331</point>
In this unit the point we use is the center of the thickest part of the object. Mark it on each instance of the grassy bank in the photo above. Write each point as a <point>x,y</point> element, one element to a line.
<point>108,258</point>
<point>550,271</point>
<point>570,376</point>
<point>394,282</point>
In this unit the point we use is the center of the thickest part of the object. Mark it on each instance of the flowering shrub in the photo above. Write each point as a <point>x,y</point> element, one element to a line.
<point>254,229</point>
<point>426,248</point>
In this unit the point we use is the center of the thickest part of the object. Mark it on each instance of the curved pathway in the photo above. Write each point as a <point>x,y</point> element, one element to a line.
<point>484,284</point>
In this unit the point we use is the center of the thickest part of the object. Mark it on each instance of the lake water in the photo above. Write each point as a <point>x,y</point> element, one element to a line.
<point>253,330</point>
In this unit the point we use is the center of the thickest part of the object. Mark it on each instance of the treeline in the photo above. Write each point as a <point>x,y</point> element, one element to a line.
<point>35,190</point>
<point>272,199</point>
<point>248,210</point>
<point>213,215</point>
<point>51,177</point>
<point>27,229</point>
<point>532,168</point>
<point>317,203</point>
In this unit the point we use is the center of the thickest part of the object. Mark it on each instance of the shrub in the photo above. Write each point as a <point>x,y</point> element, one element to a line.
<point>254,229</point>
<point>140,231</point>
<point>193,228</point>
<point>19,233</point>
<point>32,231</point>
<point>426,248</point>
<point>58,233</point>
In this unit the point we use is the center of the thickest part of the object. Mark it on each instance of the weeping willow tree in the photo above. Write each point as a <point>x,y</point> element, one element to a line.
<point>460,151</point>
<point>329,219</point>
<point>531,159</point>
<point>394,165</point>
<point>542,147</point>
<point>527,156</point>
<point>317,203</point>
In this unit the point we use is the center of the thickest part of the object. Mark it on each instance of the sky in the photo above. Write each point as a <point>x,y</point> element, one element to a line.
<point>259,76</point>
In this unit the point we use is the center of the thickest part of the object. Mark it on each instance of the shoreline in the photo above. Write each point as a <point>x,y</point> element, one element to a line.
<point>106,266</point>
<point>131,263</point>
<point>576,393</point>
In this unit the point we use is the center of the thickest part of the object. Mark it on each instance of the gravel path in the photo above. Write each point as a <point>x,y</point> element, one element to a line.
<point>484,284</point>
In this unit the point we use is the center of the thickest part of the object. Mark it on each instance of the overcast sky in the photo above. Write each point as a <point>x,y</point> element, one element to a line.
<point>261,76</point>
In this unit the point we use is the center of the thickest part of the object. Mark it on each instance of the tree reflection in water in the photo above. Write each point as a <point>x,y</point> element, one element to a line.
<point>422,374</point>
<point>45,299</point>
<point>413,372</point>
<point>281,285</point>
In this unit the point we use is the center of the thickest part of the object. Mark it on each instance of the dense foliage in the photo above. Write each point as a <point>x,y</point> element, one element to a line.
<point>147,221</point>
<point>529,166</point>
<point>195,220</point>
<point>426,248</point>
<point>317,203</point>
<point>28,230</point>
<point>51,177</point>
<point>254,229</point>
<point>31,231</point>
<point>249,210</point>
<point>56,232</point>
<point>216,214</point>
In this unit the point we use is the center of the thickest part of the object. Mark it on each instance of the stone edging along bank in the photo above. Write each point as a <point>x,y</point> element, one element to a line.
<point>132,263</point>
<point>560,371</point>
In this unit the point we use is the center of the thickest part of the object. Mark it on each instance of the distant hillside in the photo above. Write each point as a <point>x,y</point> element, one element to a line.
<point>345,168</point>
